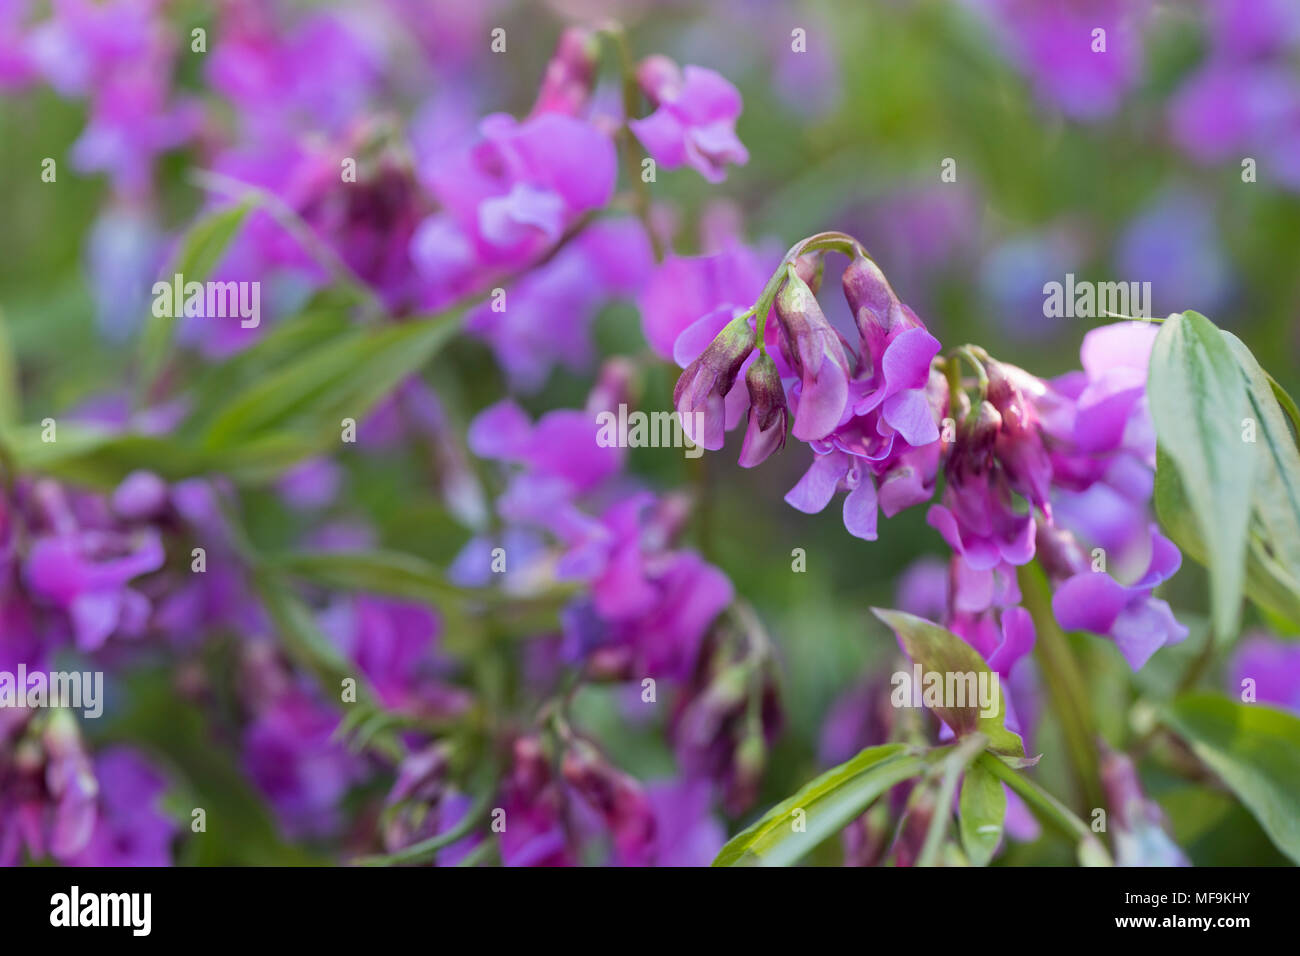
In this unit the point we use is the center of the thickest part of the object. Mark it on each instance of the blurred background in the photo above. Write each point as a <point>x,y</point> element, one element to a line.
<point>1127,166</point>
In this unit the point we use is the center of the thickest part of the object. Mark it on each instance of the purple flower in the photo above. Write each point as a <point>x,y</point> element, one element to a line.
<point>1053,42</point>
<point>1229,109</point>
<point>1138,824</point>
<point>685,290</point>
<point>701,390</point>
<point>687,833</point>
<point>617,798</point>
<point>1249,29</point>
<point>549,311</point>
<point>130,829</point>
<point>395,645</point>
<point>827,475</point>
<point>695,122</point>
<point>85,573</point>
<point>1139,623</point>
<point>310,485</point>
<point>816,353</point>
<point>767,412</point>
<point>291,754</point>
<point>1273,665</point>
<point>514,192</point>
<point>1174,244</point>
<point>141,495</point>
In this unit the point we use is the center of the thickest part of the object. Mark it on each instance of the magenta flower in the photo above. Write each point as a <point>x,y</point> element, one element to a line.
<point>701,391</point>
<point>695,123</point>
<point>86,574</point>
<point>131,828</point>
<point>685,290</point>
<point>815,351</point>
<point>570,74</point>
<point>514,192</point>
<point>1139,623</point>
<point>767,412</point>
<point>548,319</point>
<point>1273,665</point>
<point>291,755</point>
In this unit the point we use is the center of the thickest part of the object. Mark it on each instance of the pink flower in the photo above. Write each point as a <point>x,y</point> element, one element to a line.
<point>695,123</point>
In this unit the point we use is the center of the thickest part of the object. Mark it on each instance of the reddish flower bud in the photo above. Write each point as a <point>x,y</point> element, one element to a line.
<point>818,355</point>
<point>702,388</point>
<point>765,432</point>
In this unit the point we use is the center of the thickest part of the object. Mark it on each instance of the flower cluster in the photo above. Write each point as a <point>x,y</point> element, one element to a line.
<point>1031,468</point>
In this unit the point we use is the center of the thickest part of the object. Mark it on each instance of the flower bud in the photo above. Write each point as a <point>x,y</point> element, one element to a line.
<point>876,308</point>
<point>765,432</point>
<point>818,355</point>
<point>570,75</point>
<point>700,394</point>
<point>810,267</point>
<point>618,798</point>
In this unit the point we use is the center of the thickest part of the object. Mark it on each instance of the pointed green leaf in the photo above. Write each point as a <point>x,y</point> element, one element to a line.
<point>344,378</point>
<point>982,807</point>
<point>1255,750</point>
<point>825,806</point>
<point>1267,583</point>
<point>1198,401</point>
<point>939,650</point>
<point>199,253</point>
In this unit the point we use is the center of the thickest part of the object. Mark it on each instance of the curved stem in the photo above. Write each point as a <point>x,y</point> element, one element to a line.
<point>427,849</point>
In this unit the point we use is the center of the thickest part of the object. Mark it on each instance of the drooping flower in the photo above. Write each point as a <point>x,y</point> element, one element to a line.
<point>817,355</point>
<point>701,391</point>
<point>765,433</point>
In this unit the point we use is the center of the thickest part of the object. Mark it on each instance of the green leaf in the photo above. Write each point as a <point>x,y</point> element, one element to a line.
<point>304,641</point>
<point>394,573</point>
<point>829,803</point>
<point>982,807</point>
<point>1046,807</point>
<point>179,735</point>
<point>343,378</point>
<point>1198,401</point>
<point>199,253</point>
<point>281,345</point>
<point>101,459</point>
<point>938,650</point>
<point>1255,750</point>
<point>1276,492</point>
<point>1267,583</point>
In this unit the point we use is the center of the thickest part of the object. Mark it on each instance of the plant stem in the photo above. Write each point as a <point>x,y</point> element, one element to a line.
<point>427,849</point>
<point>954,765</point>
<point>1065,685</point>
